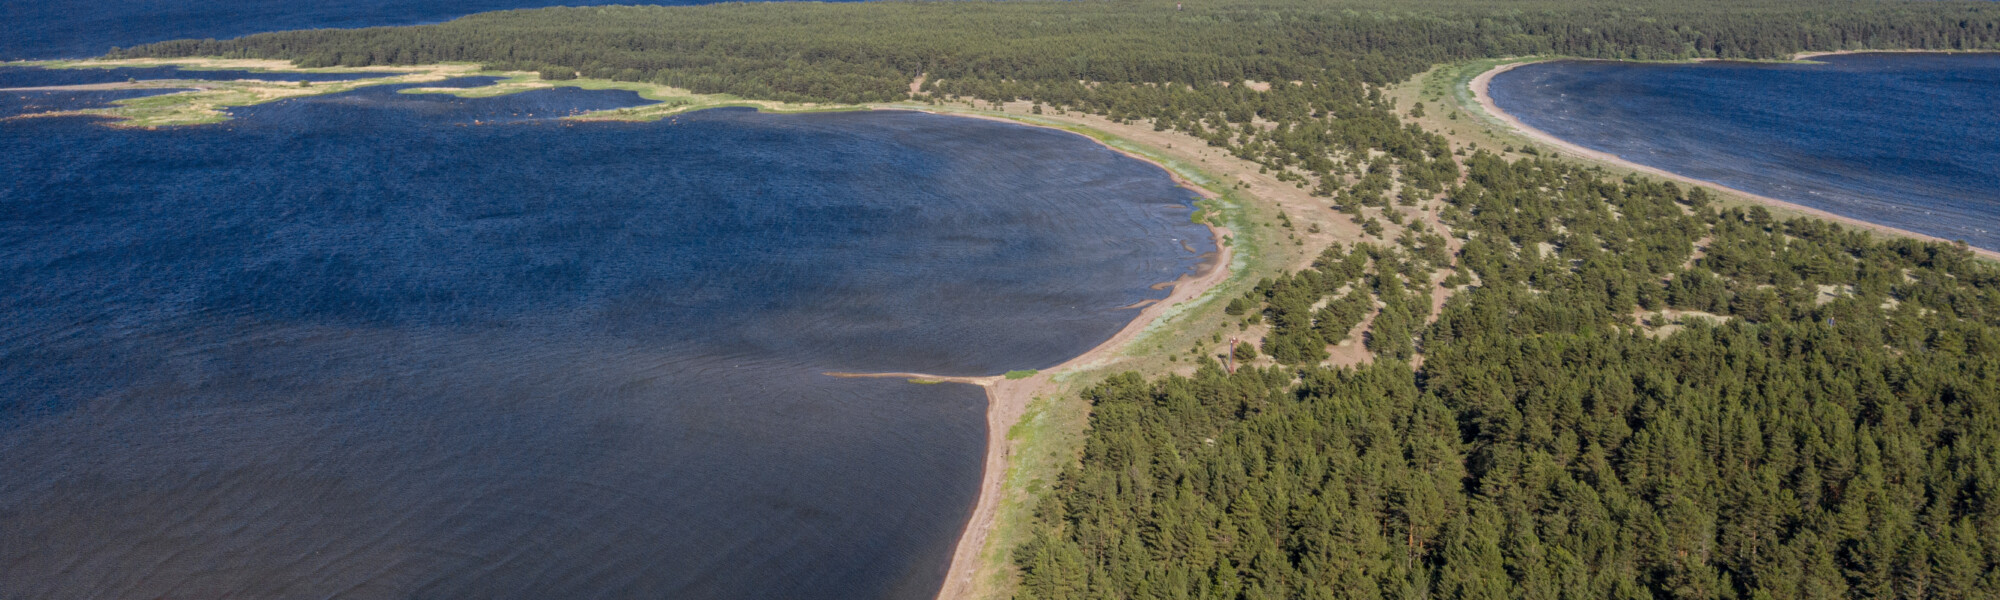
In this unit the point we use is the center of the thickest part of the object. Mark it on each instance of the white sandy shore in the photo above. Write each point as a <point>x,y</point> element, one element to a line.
<point>1008,399</point>
<point>1479,90</point>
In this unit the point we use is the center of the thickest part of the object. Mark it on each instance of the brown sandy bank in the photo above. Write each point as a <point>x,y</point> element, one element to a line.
<point>1008,399</point>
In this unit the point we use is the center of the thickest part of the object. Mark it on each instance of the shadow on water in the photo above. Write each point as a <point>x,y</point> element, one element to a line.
<point>1905,140</point>
<point>357,345</point>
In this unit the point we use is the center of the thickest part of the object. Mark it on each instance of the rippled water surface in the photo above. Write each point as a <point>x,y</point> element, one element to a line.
<point>382,345</point>
<point>1906,140</point>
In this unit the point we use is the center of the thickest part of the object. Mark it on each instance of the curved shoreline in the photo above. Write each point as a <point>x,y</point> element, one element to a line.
<point>1479,90</point>
<point>1806,56</point>
<point>1007,399</point>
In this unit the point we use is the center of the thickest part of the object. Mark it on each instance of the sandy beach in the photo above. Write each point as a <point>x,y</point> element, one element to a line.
<point>1484,80</point>
<point>1812,55</point>
<point>1008,399</point>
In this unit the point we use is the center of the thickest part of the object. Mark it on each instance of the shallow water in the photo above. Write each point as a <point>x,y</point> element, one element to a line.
<point>42,29</point>
<point>19,77</point>
<point>1906,140</point>
<point>384,345</point>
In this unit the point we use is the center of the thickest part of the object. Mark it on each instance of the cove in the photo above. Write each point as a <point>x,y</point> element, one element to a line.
<point>383,345</point>
<point>1899,139</point>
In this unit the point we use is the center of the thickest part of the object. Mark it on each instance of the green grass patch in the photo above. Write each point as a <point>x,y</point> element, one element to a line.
<point>1022,373</point>
<point>206,105</point>
<point>1045,440</point>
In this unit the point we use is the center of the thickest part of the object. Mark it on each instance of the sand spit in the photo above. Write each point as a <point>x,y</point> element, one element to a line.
<point>1008,399</point>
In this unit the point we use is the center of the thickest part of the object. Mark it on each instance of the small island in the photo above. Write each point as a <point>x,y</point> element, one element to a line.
<point>1423,351</point>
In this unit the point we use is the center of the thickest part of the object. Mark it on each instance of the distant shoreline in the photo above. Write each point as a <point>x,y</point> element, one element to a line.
<point>1008,399</point>
<point>1803,56</point>
<point>1479,87</point>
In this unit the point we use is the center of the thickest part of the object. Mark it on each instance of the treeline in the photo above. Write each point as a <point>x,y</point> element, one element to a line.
<point>871,51</point>
<point>1822,422</point>
<point>1179,65</point>
<point>1632,394</point>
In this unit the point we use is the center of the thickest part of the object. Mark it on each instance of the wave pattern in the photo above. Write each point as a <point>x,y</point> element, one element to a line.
<point>376,345</point>
<point>1904,140</point>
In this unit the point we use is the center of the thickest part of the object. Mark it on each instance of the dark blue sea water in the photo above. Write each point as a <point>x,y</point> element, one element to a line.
<point>43,29</point>
<point>358,346</point>
<point>19,77</point>
<point>1906,140</point>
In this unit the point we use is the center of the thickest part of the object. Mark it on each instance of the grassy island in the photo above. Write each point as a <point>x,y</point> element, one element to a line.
<point>206,101</point>
<point>1437,360</point>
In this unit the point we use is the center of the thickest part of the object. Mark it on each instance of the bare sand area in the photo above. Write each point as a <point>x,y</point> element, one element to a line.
<point>979,568</point>
<point>1008,398</point>
<point>1484,80</point>
<point>1007,401</point>
<point>1812,55</point>
<point>976,569</point>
